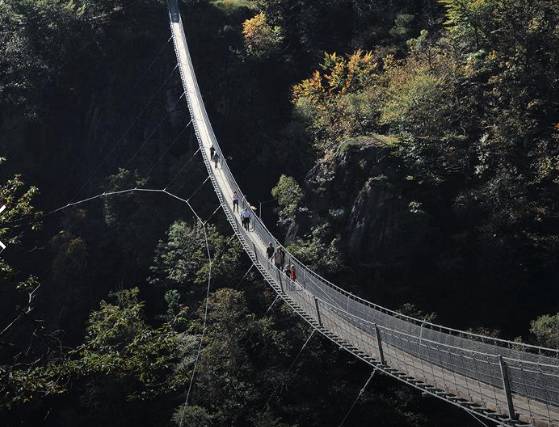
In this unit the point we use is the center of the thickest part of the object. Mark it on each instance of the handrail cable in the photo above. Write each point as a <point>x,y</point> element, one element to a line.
<point>229,176</point>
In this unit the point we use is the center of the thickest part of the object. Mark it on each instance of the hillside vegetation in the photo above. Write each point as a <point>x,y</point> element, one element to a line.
<point>407,150</point>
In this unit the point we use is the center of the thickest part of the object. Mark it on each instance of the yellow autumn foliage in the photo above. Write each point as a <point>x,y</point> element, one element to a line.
<point>261,38</point>
<point>339,76</point>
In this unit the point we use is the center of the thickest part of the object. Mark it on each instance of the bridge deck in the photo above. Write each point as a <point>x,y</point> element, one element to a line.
<point>460,370</point>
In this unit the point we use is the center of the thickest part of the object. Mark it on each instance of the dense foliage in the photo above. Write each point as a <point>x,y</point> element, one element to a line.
<point>411,150</point>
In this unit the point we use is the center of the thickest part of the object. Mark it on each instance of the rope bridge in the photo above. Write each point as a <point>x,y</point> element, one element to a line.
<point>506,382</point>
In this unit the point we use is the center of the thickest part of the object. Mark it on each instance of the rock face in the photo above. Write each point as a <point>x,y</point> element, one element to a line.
<point>359,190</point>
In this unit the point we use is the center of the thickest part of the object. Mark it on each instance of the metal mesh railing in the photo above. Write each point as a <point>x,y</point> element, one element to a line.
<point>503,376</point>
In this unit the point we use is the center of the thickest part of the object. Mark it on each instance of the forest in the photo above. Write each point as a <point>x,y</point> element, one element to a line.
<point>408,150</point>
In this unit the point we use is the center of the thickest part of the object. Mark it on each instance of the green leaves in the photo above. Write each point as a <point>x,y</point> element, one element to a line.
<point>182,260</point>
<point>240,351</point>
<point>28,30</point>
<point>546,330</point>
<point>19,200</point>
<point>121,348</point>
<point>338,100</point>
<point>261,39</point>
<point>289,196</point>
<point>122,358</point>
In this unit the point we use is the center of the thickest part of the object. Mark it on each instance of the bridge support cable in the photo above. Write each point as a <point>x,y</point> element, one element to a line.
<point>276,299</point>
<point>277,390</point>
<point>197,190</point>
<point>357,398</point>
<point>184,167</point>
<point>118,143</point>
<point>435,359</point>
<point>153,62</point>
<point>166,151</point>
<point>25,222</point>
<point>216,210</point>
<point>244,275</point>
<point>478,419</point>
<point>152,134</point>
<point>205,321</point>
<point>136,85</point>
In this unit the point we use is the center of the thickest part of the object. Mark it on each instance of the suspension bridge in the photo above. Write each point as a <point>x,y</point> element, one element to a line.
<point>506,382</point>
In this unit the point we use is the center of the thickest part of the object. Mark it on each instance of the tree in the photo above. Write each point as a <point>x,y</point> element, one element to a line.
<point>319,250</point>
<point>236,369</point>
<point>192,416</point>
<point>546,330</point>
<point>339,100</point>
<point>130,220</point>
<point>123,361</point>
<point>289,196</point>
<point>19,217</point>
<point>27,31</point>
<point>260,38</point>
<point>181,261</point>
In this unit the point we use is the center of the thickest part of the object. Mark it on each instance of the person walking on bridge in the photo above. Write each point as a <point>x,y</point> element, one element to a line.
<point>212,152</point>
<point>245,218</point>
<point>287,271</point>
<point>293,273</point>
<point>216,159</point>
<point>279,258</point>
<point>235,201</point>
<point>270,251</point>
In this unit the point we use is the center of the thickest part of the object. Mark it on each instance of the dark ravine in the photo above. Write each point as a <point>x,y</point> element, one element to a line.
<point>430,178</point>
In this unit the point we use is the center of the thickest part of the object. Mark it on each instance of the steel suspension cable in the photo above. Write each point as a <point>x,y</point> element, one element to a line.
<point>24,222</point>
<point>273,303</point>
<point>477,418</point>
<point>244,275</point>
<point>216,210</point>
<point>152,63</point>
<point>357,398</point>
<point>284,383</point>
<point>152,134</point>
<point>206,242</point>
<point>125,134</point>
<point>197,190</point>
<point>182,169</point>
<point>205,322</point>
<point>138,81</point>
<point>170,146</point>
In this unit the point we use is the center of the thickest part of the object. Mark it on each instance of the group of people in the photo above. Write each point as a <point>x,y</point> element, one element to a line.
<point>278,256</point>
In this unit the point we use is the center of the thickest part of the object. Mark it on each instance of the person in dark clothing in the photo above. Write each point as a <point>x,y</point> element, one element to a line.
<point>288,271</point>
<point>270,251</point>
<point>235,202</point>
<point>245,218</point>
<point>216,159</point>
<point>279,258</point>
<point>212,152</point>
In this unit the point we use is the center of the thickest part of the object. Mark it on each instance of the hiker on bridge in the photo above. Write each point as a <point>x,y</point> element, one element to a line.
<point>245,218</point>
<point>279,258</point>
<point>212,152</point>
<point>270,250</point>
<point>235,201</point>
<point>287,270</point>
<point>216,159</point>
<point>293,273</point>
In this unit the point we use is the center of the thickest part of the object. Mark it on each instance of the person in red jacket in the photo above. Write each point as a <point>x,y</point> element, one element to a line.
<point>293,273</point>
